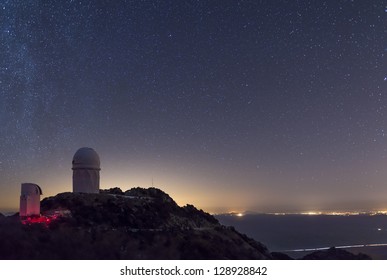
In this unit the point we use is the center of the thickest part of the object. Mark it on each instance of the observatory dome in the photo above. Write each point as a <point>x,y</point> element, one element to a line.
<point>86,158</point>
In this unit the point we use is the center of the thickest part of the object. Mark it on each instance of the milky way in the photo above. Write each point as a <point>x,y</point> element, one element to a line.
<point>248,105</point>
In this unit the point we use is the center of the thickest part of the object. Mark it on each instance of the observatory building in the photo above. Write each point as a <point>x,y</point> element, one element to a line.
<point>30,200</point>
<point>86,167</point>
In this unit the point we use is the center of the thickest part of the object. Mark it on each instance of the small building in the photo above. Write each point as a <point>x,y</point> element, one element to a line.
<point>30,200</point>
<point>86,167</point>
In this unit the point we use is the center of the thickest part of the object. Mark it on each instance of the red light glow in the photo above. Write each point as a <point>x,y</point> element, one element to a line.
<point>46,220</point>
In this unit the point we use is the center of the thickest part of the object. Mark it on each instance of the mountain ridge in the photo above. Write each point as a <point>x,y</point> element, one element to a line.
<point>136,224</point>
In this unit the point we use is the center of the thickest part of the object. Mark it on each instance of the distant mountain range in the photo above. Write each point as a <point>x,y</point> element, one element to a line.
<point>136,224</point>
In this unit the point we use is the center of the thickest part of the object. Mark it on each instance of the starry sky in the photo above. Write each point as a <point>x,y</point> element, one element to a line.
<point>228,105</point>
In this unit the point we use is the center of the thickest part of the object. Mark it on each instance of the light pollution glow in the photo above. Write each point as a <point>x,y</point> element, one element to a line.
<point>214,192</point>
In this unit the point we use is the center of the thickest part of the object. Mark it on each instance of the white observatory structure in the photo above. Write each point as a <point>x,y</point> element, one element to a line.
<point>30,200</point>
<point>86,167</point>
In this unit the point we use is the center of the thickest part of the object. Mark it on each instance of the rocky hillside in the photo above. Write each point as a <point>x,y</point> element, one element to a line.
<point>136,224</point>
<point>142,209</point>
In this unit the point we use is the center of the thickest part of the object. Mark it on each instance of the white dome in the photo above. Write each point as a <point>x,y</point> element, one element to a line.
<point>30,189</point>
<point>86,158</point>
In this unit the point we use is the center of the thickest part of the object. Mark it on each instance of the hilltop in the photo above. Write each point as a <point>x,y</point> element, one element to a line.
<point>136,224</point>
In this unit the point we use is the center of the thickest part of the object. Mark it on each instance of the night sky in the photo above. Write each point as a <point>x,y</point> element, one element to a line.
<point>227,105</point>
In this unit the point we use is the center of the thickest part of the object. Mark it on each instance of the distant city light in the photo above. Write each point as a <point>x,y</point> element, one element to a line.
<point>333,213</point>
<point>312,213</point>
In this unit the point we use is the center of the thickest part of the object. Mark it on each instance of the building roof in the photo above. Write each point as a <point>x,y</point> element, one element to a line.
<point>30,188</point>
<point>86,158</point>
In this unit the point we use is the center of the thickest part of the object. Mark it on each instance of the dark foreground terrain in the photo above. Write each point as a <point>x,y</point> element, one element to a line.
<point>136,224</point>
